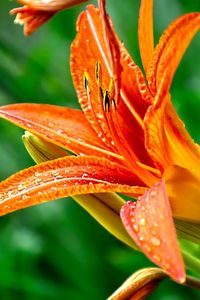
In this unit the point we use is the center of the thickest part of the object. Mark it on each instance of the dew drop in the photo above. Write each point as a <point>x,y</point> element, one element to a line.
<point>60,131</point>
<point>113,143</point>
<point>20,187</point>
<point>166,266</point>
<point>84,175</point>
<point>155,224</point>
<point>55,173</point>
<point>58,177</point>
<point>147,248</point>
<point>132,220</point>
<point>156,258</point>
<point>100,134</point>
<point>153,193</point>
<point>141,238</point>
<point>142,222</point>
<point>136,228</point>
<point>38,180</point>
<point>155,241</point>
<point>53,188</point>
<point>37,174</point>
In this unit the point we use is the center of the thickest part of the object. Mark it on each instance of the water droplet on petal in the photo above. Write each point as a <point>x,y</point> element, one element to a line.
<point>37,174</point>
<point>55,173</point>
<point>155,241</point>
<point>156,258</point>
<point>84,175</point>
<point>135,227</point>
<point>142,222</point>
<point>147,248</point>
<point>58,177</point>
<point>20,187</point>
<point>38,180</point>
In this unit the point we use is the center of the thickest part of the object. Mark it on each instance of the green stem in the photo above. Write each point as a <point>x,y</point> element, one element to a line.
<point>191,262</point>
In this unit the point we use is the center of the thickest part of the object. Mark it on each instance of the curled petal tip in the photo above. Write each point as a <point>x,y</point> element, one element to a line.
<point>35,13</point>
<point>139,285</point>
<point>30,18</point>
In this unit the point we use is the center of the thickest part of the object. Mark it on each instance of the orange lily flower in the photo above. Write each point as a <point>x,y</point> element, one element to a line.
<point>35,13</point>
<point>128,137</point>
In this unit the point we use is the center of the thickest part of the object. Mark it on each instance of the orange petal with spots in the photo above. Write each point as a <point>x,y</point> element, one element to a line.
<point>150,224</point>
<point>64,177</point>
<point>145,32</point>
<point>61,126</point>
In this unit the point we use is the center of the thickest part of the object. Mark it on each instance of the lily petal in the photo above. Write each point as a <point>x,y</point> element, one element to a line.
<point>145,32</point>
<point>144,220</point>
<point>37,12</point>
<point>50,5</point>
<point>61,126</point>
<point>68,176</point>
<point>183,188</point>
<point>170,50</point>
<point>92,42</point>
<point>166,139</point>
<point>30,18</point>
<point>105,207</point>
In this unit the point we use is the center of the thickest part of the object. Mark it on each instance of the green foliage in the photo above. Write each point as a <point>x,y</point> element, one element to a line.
<point>55,250</point>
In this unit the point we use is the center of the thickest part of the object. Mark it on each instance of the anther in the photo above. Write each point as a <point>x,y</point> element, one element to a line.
<point>101,92</point>
<point>106,101</point>
<point>98,72</point>
<point>86,80</point>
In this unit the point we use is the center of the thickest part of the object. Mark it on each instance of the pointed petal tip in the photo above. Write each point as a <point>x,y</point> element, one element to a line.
<point>153,230</point>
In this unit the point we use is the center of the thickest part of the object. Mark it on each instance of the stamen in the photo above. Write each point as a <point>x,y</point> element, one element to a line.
<point>104,137</point>
<point>86,81</point>
<point>98,73</point>
<point>101,92</point>
<point>106,101</point>
<point>124,148</point>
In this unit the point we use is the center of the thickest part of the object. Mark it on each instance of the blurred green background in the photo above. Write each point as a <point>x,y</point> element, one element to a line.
<point>55,250</point>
